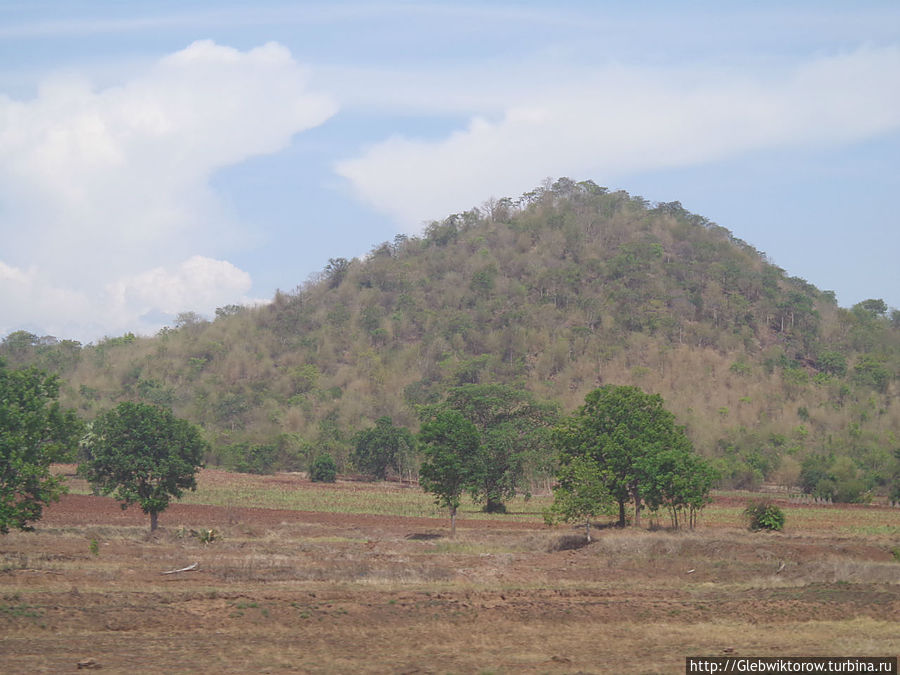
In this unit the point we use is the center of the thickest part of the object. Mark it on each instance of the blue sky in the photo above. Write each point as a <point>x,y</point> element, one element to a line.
<point>160,157</point>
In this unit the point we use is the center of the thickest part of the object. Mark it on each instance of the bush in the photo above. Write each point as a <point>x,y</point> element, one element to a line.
<point>250,458</point>
<point>323,469</point>
<point>764,515</point>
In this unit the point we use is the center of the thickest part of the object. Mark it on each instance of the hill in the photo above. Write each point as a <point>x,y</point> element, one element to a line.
<point>569,287</point>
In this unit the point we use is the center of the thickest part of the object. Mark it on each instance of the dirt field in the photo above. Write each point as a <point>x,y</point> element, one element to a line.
<point>282,591</point>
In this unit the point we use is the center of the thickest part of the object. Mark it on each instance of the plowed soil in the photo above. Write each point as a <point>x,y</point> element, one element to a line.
<point>280,591</point>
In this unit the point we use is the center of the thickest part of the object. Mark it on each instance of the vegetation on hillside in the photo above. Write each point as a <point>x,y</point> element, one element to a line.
<point>568,288</point>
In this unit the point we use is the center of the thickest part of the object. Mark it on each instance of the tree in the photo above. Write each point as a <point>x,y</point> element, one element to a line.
<point>143,455</point>
<point>34,432</point>
<point>336,270</point>
<point>323,469</point>
<point>450,446</point>
<point>680,481</point>
<point>580,494</point>
<point>872,307</point>
<point>635,443</point>
<point>513,429</point>
<point>383,447</point>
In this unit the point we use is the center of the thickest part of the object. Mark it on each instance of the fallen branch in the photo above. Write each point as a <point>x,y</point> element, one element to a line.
<point>189,568</point>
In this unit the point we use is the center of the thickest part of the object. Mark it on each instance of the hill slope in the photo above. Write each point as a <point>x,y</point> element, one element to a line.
<point>569,287</point>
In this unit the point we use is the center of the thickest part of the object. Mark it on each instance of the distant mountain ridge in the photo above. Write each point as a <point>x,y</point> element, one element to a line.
<point>566,288</point>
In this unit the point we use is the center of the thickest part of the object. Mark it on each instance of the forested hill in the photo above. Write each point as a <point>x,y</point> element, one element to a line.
<point>569,287</point>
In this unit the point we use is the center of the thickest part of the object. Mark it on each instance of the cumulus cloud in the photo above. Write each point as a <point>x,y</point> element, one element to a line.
<point>198,284</point>
<point>99,186</point>
<point>621,120</point>
<point>30,301</point>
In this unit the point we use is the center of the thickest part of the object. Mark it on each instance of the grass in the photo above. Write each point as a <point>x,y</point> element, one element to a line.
<point>411,502</point>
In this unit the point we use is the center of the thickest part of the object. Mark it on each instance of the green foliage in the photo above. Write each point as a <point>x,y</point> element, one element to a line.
<point>34,431</point>
<point>323,469</point>
<point>837,478</point>
<point>450,446</point>
<point>580,494</point>
<point>253,458</point>
<point>383,448</point>
<point>679,481</point>
<point>638,450</point>
<point>513,437</point>
<point>873,307</point>
<point>764,515</point>
<point>870,371</point>
<point>143,455</point>
<point>832,362</point>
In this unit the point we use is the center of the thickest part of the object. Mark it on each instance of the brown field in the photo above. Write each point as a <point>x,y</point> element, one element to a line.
<point>336,589</point>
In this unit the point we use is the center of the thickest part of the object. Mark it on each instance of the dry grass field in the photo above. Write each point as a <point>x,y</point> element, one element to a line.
<point>356,578</point>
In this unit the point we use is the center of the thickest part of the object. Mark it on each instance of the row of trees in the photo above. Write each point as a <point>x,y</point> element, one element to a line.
<point>142,454</point>
<point>621,447</point>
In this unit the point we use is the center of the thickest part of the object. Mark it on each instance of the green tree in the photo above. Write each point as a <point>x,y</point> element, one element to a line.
<point>513,429</point>
<point>870,371</point>
<point>872,307</point>
<point>450,446</point>
<point>383,447</point>
<point>323,469</point>
<point>634,441</point>
<point>143,455</point>
<point>679,481</point>
<point>580,494</point>
<point>832,362</point>
<point>34,431</point>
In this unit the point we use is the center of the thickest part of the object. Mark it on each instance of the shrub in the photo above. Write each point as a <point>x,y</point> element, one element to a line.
<point>323,469</point>
<point>764,515</point>
<point>250,458</point>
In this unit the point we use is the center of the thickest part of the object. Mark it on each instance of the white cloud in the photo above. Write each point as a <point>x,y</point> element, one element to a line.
<point>98,185</point>
<point>25,298</point>
<point>623,120</point>
<point>197,284</point>
<point>138,303</point>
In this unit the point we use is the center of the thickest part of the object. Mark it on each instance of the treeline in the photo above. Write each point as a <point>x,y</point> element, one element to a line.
<point>565,289</point>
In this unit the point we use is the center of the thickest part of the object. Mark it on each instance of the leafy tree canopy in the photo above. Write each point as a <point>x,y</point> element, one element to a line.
<point>512,428</point>
<point>34,431</point>
<point>143,455</point>
<point>638,449</point>
<point>323,469</point>
<point>382,448</point>
<point>580,494</point>
<point>450,445</point>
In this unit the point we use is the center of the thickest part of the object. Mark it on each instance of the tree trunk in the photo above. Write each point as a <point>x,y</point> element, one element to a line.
<point>621,513</point>
<point>154,520</point>
<point>452,522</point>
<point>587,530</point>
<point>637,507</point>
